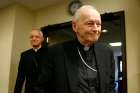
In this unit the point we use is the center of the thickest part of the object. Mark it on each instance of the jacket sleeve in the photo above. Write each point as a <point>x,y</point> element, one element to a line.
<point>20,75</point>
<point>112,75</point>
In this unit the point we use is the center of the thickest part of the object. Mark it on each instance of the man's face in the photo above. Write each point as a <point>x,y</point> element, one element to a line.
<point>36,38</point>
<point>88,27</point>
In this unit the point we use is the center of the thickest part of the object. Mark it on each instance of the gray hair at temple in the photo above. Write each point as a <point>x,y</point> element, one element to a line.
<point>77,14</point>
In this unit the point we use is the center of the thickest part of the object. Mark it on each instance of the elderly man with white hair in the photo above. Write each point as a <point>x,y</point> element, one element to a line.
<point>81,65</point>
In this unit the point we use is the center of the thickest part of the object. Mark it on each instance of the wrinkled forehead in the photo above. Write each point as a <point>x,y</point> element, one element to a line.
<point>90,14</point>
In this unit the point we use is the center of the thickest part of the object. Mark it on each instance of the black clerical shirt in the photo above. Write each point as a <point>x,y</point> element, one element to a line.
<point>88,78</point>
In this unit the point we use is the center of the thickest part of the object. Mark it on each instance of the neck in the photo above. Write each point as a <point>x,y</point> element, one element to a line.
<point>86,43</point>
<point>35,48</point>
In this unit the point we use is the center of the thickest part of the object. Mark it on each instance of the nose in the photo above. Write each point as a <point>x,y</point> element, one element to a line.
<point>33,38</point>
<point>96,27</point>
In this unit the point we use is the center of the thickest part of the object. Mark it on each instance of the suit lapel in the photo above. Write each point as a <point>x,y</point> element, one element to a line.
<point>71,64</point>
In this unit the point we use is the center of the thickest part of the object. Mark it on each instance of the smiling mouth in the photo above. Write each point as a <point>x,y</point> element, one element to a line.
<point>93,33</point>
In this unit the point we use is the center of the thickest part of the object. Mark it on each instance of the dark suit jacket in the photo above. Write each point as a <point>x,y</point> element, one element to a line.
<point>29,68</point>
<point>60,73</point>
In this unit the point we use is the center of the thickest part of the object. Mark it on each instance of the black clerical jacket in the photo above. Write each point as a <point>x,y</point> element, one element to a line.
<point>60,73</point>
<point>28,69</point>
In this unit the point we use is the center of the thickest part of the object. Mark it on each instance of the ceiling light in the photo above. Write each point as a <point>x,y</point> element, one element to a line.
<point>104,30</point>
<point>47,39</point>
<point>115,44</point>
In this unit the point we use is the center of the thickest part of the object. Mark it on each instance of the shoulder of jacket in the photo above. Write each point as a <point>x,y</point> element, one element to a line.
<point>27,51</point>
<point>103,46</point>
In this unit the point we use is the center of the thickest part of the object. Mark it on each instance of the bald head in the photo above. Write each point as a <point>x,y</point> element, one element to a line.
<point>38,31</point>
<point>83,10</point>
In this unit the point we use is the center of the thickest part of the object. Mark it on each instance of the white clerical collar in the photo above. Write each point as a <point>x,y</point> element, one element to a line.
<point>86,48</point>
<point>36,49</point>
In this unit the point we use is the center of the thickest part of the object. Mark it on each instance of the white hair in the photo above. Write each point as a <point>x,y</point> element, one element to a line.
<point>78,12</point>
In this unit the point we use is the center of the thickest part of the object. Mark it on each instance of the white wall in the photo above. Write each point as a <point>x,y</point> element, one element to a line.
<point>53,14</point>
<point>16,24</point>
<point>24,20</point>
<point>58,14</point>
<point>7,17</point>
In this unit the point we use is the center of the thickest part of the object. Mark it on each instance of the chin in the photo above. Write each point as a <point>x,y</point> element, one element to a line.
<point>35,45</point>
<point>93,39</point>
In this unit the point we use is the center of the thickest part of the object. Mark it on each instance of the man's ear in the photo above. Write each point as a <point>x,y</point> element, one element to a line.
<point>43,38</point>
<point>74,26</point>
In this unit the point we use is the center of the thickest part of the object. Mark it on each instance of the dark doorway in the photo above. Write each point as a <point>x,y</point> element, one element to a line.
<point>113,31</point>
